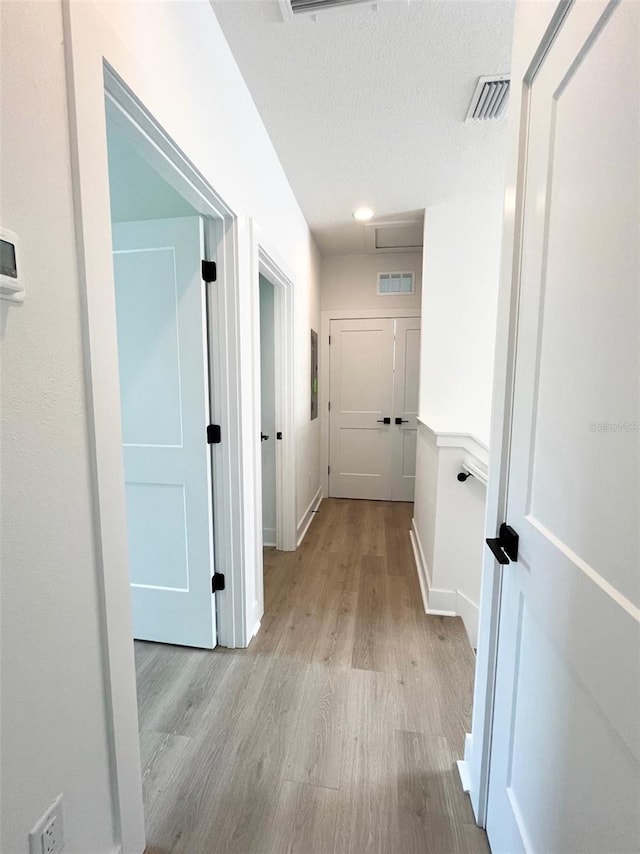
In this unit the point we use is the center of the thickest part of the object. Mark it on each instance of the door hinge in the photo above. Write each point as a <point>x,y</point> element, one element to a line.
<point>279,435</point>
<point>328,469</point>
<point>505,545</point>
<point>217,582</point>
<point>209,271</point>
<point>213,434</point>
<point>329,341</point>
<point>329,406</point>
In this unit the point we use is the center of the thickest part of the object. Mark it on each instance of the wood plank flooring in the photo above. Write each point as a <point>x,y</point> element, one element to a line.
<point>337,731</point>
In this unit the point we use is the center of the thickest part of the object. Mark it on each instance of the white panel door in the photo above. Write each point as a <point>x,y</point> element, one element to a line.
<point>406,388</point>
<point>565,762</point>
<point>360,451</point>
<point>161,315</point>
<point>374,404</point>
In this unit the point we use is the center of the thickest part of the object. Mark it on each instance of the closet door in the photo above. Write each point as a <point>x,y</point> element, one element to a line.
<point>374,404</point>
<point>406,373</point>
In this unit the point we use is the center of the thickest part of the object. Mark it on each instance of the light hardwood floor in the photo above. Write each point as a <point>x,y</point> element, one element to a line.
<point>337,731</point>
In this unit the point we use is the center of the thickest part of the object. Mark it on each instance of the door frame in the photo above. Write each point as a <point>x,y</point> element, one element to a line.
<point>475,767</point>
<point>220,234</point>
<point>325,369</point>
<point>267,263</point>
<point>91,78</point>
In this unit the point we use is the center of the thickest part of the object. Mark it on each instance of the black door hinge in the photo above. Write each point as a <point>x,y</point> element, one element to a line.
<point>217,582</point>
<point>279,435</point>
<point>329,341</point>
<point>213,434</point>
<point>328,469</point>
<point>505,546</point>
<point>209,271</point>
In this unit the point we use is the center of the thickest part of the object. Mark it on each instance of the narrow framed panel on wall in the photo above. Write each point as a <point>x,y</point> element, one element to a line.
<point>314,374</point>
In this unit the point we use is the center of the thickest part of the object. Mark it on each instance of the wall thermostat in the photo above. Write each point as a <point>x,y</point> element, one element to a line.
<point>11,284</point>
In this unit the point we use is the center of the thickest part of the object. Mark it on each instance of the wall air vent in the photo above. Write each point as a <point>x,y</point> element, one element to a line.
<point>490,98</point>
<point>395,283</point>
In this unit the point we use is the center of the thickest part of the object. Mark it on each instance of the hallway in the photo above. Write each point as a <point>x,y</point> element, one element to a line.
<point>336,731</point>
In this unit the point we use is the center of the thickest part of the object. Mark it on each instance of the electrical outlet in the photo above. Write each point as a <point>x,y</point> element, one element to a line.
<point>47,835</point>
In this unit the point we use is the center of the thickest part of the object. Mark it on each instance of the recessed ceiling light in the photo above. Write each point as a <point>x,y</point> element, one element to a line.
<point>363,214</point>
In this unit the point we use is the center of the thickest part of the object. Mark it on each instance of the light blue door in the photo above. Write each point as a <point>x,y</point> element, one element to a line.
<point>162,350</point>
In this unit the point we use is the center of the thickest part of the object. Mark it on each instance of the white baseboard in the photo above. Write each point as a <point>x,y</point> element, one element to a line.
<point>421,565</point>
<point>464,768</point>
<point>468,746</point>
<point>436,602</point>
<point>442,602</point>
<point>303,524</point>
<point>469,612</point>
<point>465,777</point>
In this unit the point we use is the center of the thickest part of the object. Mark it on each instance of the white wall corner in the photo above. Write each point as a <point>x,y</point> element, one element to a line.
<point>424,577</point>
<point>269,537</point>
<point>469,612</point>
<point>307,518</point>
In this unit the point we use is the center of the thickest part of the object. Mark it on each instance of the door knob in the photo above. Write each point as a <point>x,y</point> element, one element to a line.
<point>263,437</point>
<point>401,421</point>
<point>384,421</point>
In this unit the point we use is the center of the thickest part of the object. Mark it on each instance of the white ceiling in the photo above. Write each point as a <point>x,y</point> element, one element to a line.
<point>367,107</point>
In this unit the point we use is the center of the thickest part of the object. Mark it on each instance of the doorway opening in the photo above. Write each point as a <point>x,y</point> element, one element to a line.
<point>274,382</point>
<point>161,308</point>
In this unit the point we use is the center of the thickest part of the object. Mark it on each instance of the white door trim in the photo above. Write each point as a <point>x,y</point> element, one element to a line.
<point>324,371</point>
<point>475,766</point>
<point>89,78</point>
<point>273,269</point>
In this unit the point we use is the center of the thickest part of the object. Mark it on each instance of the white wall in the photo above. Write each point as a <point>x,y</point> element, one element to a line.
<point>180,60</point>
<point>268,421</point>
<point>351,281</point>
<point>55,718</point>
<point>459,299</point>
<point>308,469</point>
<point>55,727</point>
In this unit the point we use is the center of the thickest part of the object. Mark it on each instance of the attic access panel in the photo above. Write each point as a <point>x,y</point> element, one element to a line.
<point>398,236</point>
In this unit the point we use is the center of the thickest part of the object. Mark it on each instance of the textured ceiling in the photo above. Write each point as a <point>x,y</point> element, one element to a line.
<point>367,107</point>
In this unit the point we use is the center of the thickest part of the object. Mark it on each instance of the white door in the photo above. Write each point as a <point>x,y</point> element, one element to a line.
<point>406,374</point>
<point>565,762</point>
<point>373,381</point>
<point>162,338</point>
<point>268,412</point>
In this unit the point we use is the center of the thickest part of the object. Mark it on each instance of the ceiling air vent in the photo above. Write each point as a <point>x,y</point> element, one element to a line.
<point>490,98</point>
<point>301,7</point>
